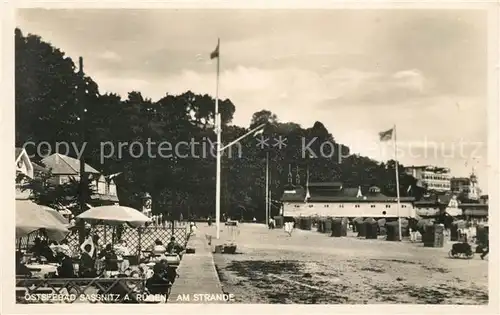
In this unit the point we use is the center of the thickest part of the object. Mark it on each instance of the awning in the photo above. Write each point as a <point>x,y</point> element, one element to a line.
<point>31,217</point>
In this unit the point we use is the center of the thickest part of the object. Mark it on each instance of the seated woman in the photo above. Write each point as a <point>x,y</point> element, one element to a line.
<point>173,247</point>
<point>36,249</point>
<point>159,282</point>
<point>122,253</point>
<point>158,248</point>
<point>47,252</point>
<point>110,261</point>
<point>66,269</point>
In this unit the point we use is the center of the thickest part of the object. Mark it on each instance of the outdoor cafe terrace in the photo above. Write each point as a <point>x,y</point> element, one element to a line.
<point>123,259</point>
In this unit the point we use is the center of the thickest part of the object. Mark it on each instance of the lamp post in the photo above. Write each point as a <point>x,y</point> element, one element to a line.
<point>219,152</point>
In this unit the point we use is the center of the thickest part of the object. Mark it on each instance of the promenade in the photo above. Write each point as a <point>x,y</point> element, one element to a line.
<point>198,281</point>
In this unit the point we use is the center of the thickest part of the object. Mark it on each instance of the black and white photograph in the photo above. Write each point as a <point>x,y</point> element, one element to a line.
<point>253,156</point>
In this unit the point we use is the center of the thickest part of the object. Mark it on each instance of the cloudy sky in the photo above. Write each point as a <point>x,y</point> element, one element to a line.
<point>357,71</point>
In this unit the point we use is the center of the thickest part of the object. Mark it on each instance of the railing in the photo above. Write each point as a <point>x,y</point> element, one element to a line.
<point>137,239</point>
<point>86,290</point>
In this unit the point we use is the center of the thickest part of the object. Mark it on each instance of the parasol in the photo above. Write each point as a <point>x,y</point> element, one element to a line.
<point>56,214</point>
<point>114,215</point>
<point>31,217</point>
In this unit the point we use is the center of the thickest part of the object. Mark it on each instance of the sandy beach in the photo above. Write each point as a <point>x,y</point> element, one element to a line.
<point>313,268</point>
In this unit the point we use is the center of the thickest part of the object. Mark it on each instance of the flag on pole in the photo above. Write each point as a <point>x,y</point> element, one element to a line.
<point>408,190</point>
<point>386,135</point>
<point>110,177</point>
<point>215,53</point>
<point>258,132</point>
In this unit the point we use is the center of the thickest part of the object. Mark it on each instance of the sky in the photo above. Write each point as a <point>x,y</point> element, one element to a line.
<point>359,72</point>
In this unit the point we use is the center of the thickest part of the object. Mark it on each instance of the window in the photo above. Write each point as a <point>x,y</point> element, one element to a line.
<point>373,206</point>
<point>356,206</point>
<point>326,206</point>
<point>387,206</point>
<point>297,206</point>
<point>403,206</point>
<point>341,206</point>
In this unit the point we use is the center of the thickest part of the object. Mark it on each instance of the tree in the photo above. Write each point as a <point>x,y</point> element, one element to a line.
<point>46,193</point>
<point>46,110</point>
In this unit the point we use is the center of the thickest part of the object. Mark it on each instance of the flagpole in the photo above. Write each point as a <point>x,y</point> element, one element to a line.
<point>397,183</point>
<point>267,188</point>
<point>270,192</point>
<point>219,145</point>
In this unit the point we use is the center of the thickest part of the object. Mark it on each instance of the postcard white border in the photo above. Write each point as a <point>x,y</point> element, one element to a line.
<point>7,171</point>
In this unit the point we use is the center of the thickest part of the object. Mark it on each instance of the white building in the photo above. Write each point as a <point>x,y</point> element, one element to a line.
<point>432,177</point>
<point>466,187</point>
<point>333,200</point>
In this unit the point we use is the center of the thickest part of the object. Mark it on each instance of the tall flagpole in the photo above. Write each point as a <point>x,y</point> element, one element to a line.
<point>267,188</point>
<point>219,145</point>
<point>270,192</point>
<point>397,183</point>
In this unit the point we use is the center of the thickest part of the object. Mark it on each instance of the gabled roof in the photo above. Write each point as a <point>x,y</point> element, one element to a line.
<point>39,168</point>
<point>64,165</point>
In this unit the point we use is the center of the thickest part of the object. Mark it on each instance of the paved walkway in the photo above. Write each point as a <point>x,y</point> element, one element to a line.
<point>198,281</point>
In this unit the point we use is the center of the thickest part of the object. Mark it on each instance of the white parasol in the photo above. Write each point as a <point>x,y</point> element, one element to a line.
<point>31,217</point>
<point>114,215</point>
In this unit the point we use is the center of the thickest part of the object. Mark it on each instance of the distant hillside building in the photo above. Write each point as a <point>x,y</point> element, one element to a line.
<point>333,200</point>
<point>466,187</point>
<point>432,177</point>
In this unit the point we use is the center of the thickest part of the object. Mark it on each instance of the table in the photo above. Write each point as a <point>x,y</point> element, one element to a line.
<point>42,269</point>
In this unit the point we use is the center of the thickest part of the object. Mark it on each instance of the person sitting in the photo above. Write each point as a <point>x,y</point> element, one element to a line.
<point>66,269</point>
<point>122,252</point>
<point>21,269</point>
<point>173,247</point>
<point>158,248</point>
<point>158,283</point>
<point>36,249</point>
<point>87,263</point>
<point>46,251</point>
<point>110,261</point>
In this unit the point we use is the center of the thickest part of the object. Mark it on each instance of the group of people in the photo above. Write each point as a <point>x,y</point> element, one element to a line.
<point>44,252</point>
<point>114,260</point>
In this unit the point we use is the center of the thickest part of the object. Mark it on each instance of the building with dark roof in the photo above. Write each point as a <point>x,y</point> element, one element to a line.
<point>334,200</point>
<point>64,168</point>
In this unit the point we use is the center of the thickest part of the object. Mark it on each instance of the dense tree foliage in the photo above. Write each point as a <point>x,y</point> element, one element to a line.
<point>50,95</point>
